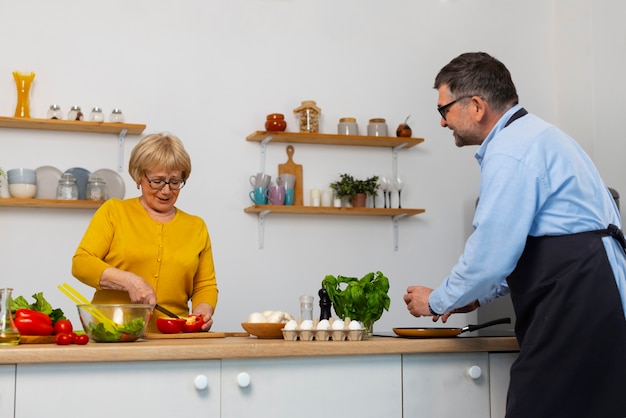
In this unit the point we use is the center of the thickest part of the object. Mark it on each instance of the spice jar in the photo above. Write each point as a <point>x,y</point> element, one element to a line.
<point>75,113</point>
<point>308,116</point>
<point>275,122</point>
<point>116,116</point>
<point>67,188</point>
<point>96,115</point>
<point>97,188</point>
<point>377,127</point>
<point>55,112</point>
<point>347,126</point>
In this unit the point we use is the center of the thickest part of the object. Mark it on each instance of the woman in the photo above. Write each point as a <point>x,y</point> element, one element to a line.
<point>145,250</point>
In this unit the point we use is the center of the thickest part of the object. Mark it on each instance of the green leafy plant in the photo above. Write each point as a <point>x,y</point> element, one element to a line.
<point>362,299</point>
<point>348,186</point>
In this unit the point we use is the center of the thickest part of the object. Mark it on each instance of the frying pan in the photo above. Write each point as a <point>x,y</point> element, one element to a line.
<point>446,332</point>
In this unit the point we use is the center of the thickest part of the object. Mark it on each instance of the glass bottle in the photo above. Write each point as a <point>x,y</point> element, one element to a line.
<point>75,113</point>
<point>23,82</point>
<point>55,112</point>
<point>96,115</point>
<point>308,116</point>
<point>67,188</point>
<point>9,334</point>
<point>96,188</point>
<point>116,116</point>
<point>306,307</point>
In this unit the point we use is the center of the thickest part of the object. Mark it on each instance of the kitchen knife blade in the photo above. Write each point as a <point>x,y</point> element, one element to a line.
<point>165,311</point>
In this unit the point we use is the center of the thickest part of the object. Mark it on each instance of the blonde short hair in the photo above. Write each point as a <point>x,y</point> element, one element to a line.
<point>162,151</point>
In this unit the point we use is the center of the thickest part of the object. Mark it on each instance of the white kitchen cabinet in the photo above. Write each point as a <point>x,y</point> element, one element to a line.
<point>446,385</point>
<point>152,389</point>
<point>7,390</point>
<point>341,386</point>
<point>500,367</point>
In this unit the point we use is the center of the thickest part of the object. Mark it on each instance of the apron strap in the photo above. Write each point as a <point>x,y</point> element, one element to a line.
<point>516,116</point>
<point>617,233</point>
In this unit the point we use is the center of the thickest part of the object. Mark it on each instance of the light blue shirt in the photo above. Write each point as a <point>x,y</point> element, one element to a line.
<point>535,180</point>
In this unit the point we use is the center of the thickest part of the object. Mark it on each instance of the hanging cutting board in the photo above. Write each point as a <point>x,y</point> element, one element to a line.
<point>296,169</point>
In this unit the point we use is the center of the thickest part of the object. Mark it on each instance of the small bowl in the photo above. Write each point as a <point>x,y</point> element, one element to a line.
<point>22,190</point>
<point>264,329</point>
<point>21,176</point>
<point>131,321</point>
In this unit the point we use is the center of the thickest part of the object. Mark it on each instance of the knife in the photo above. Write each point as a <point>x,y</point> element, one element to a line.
<point>165,311</point>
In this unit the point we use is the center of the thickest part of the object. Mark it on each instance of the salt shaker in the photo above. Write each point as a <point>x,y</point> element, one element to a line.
<point>67,188</point>
<point>306,307</point>
<point>96,115</point>
<point>55,112</point>
<point>116,116</point>
<point>75,113</point>
<point>96,188</point>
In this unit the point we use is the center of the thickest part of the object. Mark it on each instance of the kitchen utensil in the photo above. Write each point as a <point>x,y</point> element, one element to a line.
<point>296,169</point>
<point>165,311</point>
<point>264,329</point>
<point>79,299</point>
<point>435,332</point>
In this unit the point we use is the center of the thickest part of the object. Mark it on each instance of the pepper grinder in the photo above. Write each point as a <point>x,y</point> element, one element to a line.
<point>325,304</point>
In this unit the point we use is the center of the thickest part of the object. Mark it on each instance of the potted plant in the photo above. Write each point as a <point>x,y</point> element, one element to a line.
<point>354,189</point>
<point>359,299</point>
<point>3,177</point>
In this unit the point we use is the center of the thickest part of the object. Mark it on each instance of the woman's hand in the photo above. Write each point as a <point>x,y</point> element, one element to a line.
<point>138,289</point>
<point>206,312</point>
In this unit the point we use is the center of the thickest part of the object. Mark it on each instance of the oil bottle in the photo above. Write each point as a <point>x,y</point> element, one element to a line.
<point>9,335</point>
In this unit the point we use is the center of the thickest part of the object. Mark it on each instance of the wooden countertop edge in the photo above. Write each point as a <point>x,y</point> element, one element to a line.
<point>238,347</point>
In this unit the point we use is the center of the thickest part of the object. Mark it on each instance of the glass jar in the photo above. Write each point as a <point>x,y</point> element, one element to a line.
<point>67,188</point>
<point>275,122</point>
<point>9,334</point>
<point>55,112</point>
<point>75,113</point>
<point>347,126</point>
<point>96,115</point>
<point>116,116</point>
<point>97,188</point>
<point>377,127</point>
<point>308,116</point>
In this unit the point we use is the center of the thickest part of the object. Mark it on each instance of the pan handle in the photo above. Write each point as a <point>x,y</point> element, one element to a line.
<point>486,324</point>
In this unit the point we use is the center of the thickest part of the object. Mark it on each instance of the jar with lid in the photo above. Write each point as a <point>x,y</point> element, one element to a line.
<point>377,127</point>
<point>347,126</point>
<point>55,112</point>
<point>96,115</point>
<point>275,122</point>
<point>116,116</point>
<point>97,188</point>
<point>9,334</point>
<point>67,188</point>
<point>75,113</point>
<point>308,116</point>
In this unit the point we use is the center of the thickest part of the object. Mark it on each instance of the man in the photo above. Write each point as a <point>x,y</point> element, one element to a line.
<point>547,230</point>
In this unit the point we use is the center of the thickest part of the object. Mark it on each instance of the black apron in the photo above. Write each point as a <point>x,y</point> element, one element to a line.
<point>571,330</point>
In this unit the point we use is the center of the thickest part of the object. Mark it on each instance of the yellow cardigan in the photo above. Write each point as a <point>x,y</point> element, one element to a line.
<point>174,257</point>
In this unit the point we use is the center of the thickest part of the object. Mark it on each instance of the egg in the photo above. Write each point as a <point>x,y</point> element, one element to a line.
<point>355,325</point>
<point>338,324</point>
<point>306,324</point>
<point>323,324</point>
<point>256,317</point>
<point>291,325</point>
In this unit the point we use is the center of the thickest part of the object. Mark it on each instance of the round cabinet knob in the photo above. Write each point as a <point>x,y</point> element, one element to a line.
<point>474,372</point>
<point>243,380</point>
<point>201,382</point>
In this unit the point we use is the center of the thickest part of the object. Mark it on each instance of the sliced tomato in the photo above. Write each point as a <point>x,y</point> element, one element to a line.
<point>193,324</point>
<point>170,325</point>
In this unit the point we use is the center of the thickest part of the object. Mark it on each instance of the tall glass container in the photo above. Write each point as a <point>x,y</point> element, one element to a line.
<point>23,83</point>
<point>9,335</point>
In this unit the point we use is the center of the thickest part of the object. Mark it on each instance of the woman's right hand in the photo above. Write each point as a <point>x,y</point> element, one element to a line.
<point>138,289</point>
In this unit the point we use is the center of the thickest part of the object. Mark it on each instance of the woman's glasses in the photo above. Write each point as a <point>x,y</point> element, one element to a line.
<point>158,184</point>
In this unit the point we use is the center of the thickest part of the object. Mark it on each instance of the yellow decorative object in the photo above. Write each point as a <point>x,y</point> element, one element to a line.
<point>23,82</point>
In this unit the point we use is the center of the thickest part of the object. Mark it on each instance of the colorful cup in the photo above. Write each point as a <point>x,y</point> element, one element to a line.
<point>276,195</point>
<point>289,197</point>
<point>258,196</point>
<point>260,180</point>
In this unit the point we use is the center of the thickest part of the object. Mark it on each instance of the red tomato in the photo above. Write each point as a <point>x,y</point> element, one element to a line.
<point>193,324</point>
<point>63,339</point>
<point>63,326</point>
<point>170,325</point>
<point>81,339</point>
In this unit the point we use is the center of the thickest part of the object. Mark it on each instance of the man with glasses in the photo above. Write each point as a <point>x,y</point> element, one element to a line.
<point>145,249</point>
<point>547,230</point>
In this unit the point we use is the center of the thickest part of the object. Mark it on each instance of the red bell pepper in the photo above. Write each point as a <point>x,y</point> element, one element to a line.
<point>193,324</point>
<point>29,322</point>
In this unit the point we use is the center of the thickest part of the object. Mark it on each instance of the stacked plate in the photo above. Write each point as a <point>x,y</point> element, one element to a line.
<point>48,180</point>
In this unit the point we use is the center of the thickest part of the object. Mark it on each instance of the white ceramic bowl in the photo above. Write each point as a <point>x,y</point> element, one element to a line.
<point>22,190</point>
<point>21,176</point>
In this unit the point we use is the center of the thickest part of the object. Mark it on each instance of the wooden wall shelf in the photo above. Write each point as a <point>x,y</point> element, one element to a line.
<point>324,210</point>
<point>50,203</point>
<point>71,125</point>
<point>333,139</point>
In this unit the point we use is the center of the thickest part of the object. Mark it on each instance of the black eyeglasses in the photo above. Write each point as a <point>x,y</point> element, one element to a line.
<point>443,110</point>
<point>158,184</point>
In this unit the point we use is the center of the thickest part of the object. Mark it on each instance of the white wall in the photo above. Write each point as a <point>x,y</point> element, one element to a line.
<point>210,71</point>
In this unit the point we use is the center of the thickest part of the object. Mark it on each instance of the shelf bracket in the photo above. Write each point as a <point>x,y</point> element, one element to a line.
<point>394,221</point>
<point>120,149</point>
<point>261,221</point>
<point>394,159</point>
<point>262,153</point>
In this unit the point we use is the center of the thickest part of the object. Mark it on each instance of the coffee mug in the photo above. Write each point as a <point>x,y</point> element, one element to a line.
<point>260,180</point>
<point>289,196</point>
<point>286,180</point>
<point>276,195</point>
<point>258,196</point>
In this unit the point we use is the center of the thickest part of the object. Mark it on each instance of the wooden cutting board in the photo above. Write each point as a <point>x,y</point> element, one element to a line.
<point>296,169</point>
<point>187,335</point>
<point>37,339</point>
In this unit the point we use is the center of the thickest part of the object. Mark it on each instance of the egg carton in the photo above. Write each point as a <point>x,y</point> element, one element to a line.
<point>345,334</point>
